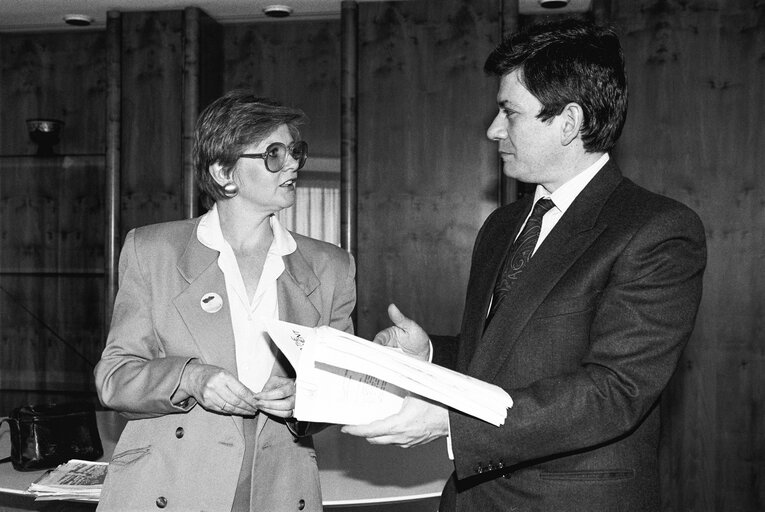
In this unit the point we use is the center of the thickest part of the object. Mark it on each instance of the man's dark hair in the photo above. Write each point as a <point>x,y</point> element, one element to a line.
<point>570,61</point>
<point>227,126</point>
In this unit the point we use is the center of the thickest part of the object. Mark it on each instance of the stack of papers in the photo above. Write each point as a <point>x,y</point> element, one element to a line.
<point>348,380</point>
<point>76,480</point>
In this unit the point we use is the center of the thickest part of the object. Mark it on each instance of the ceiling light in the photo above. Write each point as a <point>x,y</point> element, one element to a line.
<point>277,11</point>
<point>553,4</point>
<point>78,20</point>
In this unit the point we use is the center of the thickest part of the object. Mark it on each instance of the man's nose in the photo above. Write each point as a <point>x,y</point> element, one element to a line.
<point>497,130</point>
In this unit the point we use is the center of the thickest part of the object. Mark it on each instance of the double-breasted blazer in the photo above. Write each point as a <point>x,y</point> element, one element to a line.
<point>584,343</point>
<point>182,457</point>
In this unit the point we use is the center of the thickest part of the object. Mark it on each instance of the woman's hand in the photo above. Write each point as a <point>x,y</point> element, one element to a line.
<point>218,390</point>
<point>277,397</point>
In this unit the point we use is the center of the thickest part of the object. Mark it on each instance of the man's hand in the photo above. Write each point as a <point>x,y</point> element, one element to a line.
<point>404,334</point>
<point>418,422</point>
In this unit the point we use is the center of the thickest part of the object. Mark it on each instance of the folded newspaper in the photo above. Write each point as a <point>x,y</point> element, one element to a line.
<point>76,480</point>
<point>348,380</point>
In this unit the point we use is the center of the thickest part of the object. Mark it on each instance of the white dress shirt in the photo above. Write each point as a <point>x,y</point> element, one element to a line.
<point>563,197</point>
<point>255,352</point>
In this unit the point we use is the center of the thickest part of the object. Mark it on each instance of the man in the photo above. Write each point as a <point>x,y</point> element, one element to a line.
<point>582,319</point>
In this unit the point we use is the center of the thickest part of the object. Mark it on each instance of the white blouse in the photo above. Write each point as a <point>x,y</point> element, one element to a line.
<point>255,352</point>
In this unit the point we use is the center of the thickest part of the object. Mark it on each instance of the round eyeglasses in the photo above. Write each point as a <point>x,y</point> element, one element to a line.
<point>276,155</point>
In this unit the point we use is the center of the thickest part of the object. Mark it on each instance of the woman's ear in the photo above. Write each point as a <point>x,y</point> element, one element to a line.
<point>218,173</point>
<point>572,119</point>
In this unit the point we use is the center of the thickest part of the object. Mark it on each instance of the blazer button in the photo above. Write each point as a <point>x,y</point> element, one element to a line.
<point>179,432</point>
<point>161,502</point>
<point>301,504</point>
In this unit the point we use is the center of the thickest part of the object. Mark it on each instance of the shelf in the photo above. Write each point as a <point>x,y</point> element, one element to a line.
<point>53,273</point>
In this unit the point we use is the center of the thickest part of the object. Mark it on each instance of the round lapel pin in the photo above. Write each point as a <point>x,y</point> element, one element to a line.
<point>211,302</point>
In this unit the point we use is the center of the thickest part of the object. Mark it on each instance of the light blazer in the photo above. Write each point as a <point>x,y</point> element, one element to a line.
<point>185,457</point>
<point>585,343</point>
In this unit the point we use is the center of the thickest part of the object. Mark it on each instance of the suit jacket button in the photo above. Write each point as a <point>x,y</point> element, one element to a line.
<point>179,432</point>
<point>161,502</point>
<point>301,504</point>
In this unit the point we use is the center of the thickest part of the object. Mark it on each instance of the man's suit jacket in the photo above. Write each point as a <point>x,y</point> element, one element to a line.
<point>183,456</point>
<point>585,343</point>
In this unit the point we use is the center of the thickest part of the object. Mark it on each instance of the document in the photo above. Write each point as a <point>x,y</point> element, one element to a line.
<point>348,380</point>
<point>76,480</point>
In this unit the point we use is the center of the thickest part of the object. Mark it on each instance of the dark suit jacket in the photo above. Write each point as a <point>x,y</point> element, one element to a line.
<point>585,344</point>
<point>186,455</point>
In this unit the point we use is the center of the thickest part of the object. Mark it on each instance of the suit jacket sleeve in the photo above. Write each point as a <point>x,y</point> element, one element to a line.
<point>133,375</point>
<point>630,335</point>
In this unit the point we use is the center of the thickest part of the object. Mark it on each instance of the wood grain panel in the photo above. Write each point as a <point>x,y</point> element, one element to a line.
<point>51,274</point>
<point>50,333</point>
<point>296,63</point>
<point>426,171</point>
<point>152,115</point>
<point>697,80</point>
<point>57,75</point>
<point>50,213</point>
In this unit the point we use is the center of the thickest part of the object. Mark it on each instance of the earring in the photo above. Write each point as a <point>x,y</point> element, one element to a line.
<point>230,189</point>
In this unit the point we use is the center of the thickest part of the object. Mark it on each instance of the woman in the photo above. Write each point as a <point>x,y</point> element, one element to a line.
<point>187,359</point>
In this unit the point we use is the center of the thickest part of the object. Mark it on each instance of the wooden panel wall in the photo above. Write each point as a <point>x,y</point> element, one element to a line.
<point>296,63</point>
<point>427,174</point>
<point>51,211</point>
<point>694,132</point>
<point>53,75</point>
<point>152,115</point>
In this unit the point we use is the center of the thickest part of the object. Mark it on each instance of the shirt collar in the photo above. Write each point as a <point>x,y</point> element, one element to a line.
<point>210,234</point>
<point>566,193</point>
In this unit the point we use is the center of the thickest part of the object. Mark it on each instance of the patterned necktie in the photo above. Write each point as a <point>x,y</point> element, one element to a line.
<point>520,253</point>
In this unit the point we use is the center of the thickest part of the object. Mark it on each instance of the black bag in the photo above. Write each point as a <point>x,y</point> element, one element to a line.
<point>44,436</point>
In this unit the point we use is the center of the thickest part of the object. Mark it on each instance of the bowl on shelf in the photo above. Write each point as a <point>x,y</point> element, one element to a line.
<point>45,133</point>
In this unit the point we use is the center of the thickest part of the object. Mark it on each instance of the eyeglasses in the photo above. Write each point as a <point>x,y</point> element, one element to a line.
<point>276,155</point>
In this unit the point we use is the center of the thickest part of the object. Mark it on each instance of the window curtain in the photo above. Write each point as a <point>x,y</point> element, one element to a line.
<point>316,212</point>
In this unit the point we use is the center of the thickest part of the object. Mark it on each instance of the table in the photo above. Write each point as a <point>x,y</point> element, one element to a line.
<point>353,472</point>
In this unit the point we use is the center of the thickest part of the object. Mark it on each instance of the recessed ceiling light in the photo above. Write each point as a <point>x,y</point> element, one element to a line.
<point>277,11</point>
<point>78,20</point>
<point>553,4</point>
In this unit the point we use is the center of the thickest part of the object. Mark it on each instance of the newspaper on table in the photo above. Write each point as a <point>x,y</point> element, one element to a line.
<point>76,480</point>
<point>348,380</point>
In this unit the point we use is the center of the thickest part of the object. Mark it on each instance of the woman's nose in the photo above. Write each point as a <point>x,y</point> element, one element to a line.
<point>497,129</point>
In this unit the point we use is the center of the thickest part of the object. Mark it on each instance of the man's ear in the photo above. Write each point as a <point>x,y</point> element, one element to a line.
<point>572,119</point>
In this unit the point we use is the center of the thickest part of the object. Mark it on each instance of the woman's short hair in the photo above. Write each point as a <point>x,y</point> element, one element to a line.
<point>227,126</point>
<point>569,61</point>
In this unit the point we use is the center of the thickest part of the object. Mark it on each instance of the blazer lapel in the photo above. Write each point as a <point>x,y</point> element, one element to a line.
<point>573,234</point>
<point>212,332</point>
<point>299,303</point>
<point>297,288</point>
<point>497,239</point>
